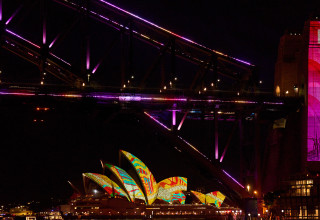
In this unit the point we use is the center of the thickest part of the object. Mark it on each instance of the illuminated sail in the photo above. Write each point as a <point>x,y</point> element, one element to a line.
<point>216,198</point>
<point>147,179</point>
<point>129,184</point>
<point>179,196</point>
<point>107,184</point>
<point>200,196</point>
<point>170,189</point>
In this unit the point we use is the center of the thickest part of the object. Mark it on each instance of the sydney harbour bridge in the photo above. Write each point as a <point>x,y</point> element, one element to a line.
<point>101,52</point>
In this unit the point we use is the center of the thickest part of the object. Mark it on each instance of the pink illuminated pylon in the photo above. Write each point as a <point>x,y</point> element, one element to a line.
<point>0,10</point>
<point>174,117</point>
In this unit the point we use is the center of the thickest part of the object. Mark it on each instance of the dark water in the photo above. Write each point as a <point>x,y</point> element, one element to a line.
<point>159,218</point>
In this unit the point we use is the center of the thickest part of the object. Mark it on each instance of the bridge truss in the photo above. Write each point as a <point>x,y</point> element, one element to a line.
<point>93,50</point>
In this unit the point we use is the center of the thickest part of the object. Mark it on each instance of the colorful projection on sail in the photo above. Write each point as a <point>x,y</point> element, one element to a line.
<point>313,139</point>
<point>179,197</point>
<point>216,198</point>
<point>128,183</point>
<point>147,179</point>
<point>170,189</point>
<point>107,184</point>
<point>200,196</point>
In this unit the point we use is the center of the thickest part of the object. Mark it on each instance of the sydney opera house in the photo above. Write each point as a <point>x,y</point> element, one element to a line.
<point>134,190</point>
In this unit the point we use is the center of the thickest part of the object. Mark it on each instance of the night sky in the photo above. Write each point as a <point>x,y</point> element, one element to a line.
<point>37,158</point>
<point>246,29</point>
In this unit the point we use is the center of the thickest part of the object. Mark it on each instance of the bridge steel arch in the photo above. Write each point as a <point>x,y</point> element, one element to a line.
<point>130,27</point>
<point>210,63</point>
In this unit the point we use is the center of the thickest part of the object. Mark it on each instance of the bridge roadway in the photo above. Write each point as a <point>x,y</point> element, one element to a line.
<point>148,99</point>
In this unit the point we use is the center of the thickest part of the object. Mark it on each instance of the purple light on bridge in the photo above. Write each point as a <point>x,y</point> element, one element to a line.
<point>18,36</point>
<point>88,56</point>
<point>60,59</point>
<point>8,21</point>
<point>233,179</point>
<point>273,103</point>
<point>0,10</point>
<point>245,102</point>
<point>54,40</point>
<point>194,148</point>
<point>95,68</point>
<point>67,95</point>
<point>164,99</point>
<point>17,93</point>
<point>115,97</point>
<point>125,27</point>
<point>119,26</point>
<point>172,33</point>
<point>174,117</point>
<point>136,98</point>
<point>44,35</point>
<point>182,120</point>
<point>13,15</point>
<point>153,118</point>
<point>130,98</point>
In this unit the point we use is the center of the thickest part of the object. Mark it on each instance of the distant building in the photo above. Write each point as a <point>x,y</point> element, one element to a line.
<point>299,197</point>
<point>20,211</point>
<point>288,72</point>
<point>297,74</point>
